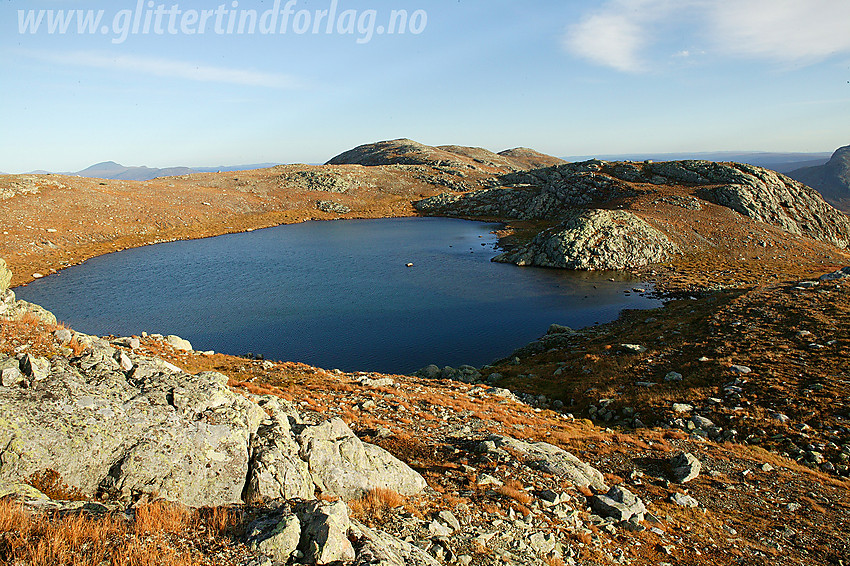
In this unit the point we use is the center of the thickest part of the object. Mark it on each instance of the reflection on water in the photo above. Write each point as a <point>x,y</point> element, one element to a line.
<point>334,294</point>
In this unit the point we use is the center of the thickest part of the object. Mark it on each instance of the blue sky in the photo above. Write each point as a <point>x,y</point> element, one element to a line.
<point>566,78</point>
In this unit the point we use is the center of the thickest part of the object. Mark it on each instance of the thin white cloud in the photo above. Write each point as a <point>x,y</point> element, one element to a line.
<point>787,31</point>
<point>170,69</point>
<point>620,33</point>
<point>609,39</point>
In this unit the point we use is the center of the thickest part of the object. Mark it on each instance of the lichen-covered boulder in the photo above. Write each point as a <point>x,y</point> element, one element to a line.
<point>276,469</point>
<point>550,459</point>
<point>120,434</point>
<point>341,464</point>
<point>595,240</point>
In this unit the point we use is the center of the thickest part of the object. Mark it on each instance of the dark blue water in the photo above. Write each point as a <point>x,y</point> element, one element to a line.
<point>334,294</point>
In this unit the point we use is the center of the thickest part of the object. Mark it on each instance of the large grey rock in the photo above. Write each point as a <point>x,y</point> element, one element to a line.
<point>554,460</point>
<point>276,470</point>
<point>11,377</point>
<point>36,368</point>
<point>377,548</point>
<point>179,343</point>
<point>5,276</point>
<point>182,437</point>
<point>685,467</point>
<point>836,275</point>
<point>430,372</point>
<point>324,536</point>
<point>341,464</point>
<point>277,536</point>
<point>594,240</point>
<point>619,504</point>
<point>11,309</point>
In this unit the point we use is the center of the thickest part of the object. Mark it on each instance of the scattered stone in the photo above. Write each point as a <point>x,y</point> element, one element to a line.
<point>377,548</point>
<point>324,537</point>
<point>124,361</point>
<point>438,529</point>
<point>740,369</point>
<point>179,343</point>
<point>449,519</point>
<point>685,467</point>
<point>131,342</point>
<point>673,376</point>
<point>376,382</point>
<point>63,336</point>
<point>702,422</point>
<point>487,479</point>
<point>36,368</point>
<point>619,504</point>
<point>11,377</point>
<point>543,544</point>
<point>682,408</point>
<point>684,500</point>
<point>553,460</point>
<point>633,348</point>
<point>277,537</point>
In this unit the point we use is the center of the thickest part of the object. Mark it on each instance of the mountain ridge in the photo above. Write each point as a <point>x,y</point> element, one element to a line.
<point>831,179</point>
<point>116,171</point>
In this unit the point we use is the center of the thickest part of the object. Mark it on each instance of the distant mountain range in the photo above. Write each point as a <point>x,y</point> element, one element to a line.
<point>781,162</point>
<point>112,170</point>
<point>831,179</point>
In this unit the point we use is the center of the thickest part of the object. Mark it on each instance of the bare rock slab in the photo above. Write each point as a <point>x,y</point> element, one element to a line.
<point>341,464</point>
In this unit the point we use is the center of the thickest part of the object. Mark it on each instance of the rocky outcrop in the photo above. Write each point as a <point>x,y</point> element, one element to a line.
<point>155,431</point>
<point>526,158</point>
<point>543,194</point>
<point>276,469</point>
<point>332,207</point>
<point>589,236</point>
<point>321,181</point>
<point>594,240</point>
<point>760,194</point>
<point>344,466</point>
